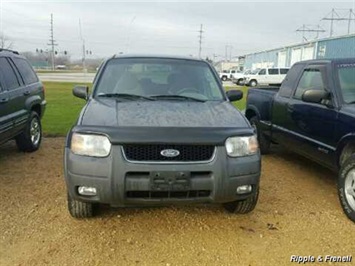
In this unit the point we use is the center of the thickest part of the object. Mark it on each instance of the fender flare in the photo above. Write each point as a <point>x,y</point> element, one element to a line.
<point>342,143</point>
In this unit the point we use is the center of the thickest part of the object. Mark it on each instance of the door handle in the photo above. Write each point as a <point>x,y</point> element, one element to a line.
<point>5,100</point>
<point>26,93</point>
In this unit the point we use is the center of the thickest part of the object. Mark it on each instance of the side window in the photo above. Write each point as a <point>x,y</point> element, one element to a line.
<point>26,71</point>
<point>283,71</point>
<point>290,80</point>
<point>7,75</point>
<point>262,72</point>
<point>233,71</point>
<point>273,71</point>
<point>311,80</point>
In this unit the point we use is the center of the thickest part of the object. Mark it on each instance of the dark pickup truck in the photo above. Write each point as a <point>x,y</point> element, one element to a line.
<point>313,114</point>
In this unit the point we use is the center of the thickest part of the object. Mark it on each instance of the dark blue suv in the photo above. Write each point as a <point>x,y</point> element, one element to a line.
<point>22,102</point>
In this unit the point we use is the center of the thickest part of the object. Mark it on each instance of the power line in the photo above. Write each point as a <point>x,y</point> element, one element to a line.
<point>52,42</point>
<point>200,41</point>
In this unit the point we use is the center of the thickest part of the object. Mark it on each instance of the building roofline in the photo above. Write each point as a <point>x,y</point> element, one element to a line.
<point>303,44</point>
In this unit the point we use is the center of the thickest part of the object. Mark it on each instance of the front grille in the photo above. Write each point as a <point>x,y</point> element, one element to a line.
<point>152,152</point>
<point>168,194</point>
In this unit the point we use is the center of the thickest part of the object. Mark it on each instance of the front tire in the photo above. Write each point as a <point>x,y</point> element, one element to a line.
<point>80,209</point>
<point>30,139</point>
<point>346,187</point>
<point>264,143</point>
<point>224,78</point>
<point>253,83</point>
<point>243,206</point>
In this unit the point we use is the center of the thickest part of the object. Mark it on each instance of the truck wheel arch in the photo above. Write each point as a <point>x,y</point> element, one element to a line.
<point>251,112</point>
<point>345,149</point>
<point>37,108</point>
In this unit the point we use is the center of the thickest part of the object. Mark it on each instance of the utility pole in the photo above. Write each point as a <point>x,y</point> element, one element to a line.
<point>334,16</point>
<point>228,52</point>
<point>83,46</point>
<point>200,41</point>
<point>351,14</point>
<point>309,28</point>
<point>52,43</point>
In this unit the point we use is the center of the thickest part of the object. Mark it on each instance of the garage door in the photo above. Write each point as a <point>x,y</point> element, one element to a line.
<point>295,56</point>
<point>307,53</point>
<point>281,62</point>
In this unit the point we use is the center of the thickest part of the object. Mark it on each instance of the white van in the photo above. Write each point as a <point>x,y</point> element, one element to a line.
<point>266,76</point>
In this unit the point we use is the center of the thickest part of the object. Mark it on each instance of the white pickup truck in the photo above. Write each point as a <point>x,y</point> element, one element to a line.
<point>238,77</point>
<point>227,74</point>
<point>266,76</point>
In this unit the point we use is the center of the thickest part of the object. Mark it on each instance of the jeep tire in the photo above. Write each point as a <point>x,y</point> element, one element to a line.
<point>30,139</point>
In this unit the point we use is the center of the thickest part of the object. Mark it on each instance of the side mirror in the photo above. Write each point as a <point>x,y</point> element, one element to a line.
<point>81,91</point>
<point>315,96</point>
<point>234,95</point>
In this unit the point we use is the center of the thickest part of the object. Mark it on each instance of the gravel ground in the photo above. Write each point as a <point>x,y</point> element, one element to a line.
<point>298,214</point>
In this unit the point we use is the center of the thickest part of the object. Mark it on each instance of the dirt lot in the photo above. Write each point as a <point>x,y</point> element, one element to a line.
<point>298,213</point>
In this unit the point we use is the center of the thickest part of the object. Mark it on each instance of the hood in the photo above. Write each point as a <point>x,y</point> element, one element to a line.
<point>161,113</point>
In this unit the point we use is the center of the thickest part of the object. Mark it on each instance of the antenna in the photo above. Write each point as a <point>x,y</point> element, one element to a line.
<point>52,42</point>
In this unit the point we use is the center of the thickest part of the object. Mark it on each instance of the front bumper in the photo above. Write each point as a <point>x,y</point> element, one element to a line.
<point>121,183</point>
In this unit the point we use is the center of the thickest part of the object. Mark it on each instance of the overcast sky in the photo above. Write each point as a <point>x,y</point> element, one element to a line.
<point>164,27</point>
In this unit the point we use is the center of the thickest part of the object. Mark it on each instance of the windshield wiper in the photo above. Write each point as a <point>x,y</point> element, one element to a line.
<point>125,95</point>
<point>167,96</point>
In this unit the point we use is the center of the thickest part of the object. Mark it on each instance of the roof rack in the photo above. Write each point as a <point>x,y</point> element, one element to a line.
<point>8,50</point>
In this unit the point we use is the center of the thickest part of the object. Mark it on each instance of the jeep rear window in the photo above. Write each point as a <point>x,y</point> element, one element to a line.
<point>26,71</point>
<point>346,73</point>
<point>155,76</point>
<point>7,75</point>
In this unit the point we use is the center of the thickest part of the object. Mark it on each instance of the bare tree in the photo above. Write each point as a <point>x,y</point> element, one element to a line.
<point>5,43</point>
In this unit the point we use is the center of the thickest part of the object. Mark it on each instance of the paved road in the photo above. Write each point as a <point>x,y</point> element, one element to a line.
<point>84,77</point>
<point>67,77</point>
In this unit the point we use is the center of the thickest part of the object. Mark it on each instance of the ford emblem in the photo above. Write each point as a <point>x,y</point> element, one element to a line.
<point>170,153</point>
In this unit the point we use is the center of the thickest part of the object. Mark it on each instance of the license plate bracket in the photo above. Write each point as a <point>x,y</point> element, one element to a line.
<point>170,181</point>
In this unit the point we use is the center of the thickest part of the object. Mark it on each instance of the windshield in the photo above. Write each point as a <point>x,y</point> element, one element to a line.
<point>151,77</point>
<point>254,72</point>
<point>346,73</point>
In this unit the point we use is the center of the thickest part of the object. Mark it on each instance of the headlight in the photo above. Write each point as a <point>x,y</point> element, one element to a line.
<point>242,146</point>
<point>90,145</point>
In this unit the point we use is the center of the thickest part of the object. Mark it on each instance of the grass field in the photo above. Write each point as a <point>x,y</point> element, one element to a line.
<point>63,108</point>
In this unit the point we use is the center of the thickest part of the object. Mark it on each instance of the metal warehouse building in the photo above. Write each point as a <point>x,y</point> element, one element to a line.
<point>337,47</point>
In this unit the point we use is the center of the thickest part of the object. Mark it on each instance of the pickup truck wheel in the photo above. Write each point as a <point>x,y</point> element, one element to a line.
<point>242,206</point>
<point>253,83</point>
<point>346,187</point>
<point>30,139</point>
<point>224,78</point>
<point>264,143</point>
<point>80,209</point>
<point>239,81</point>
